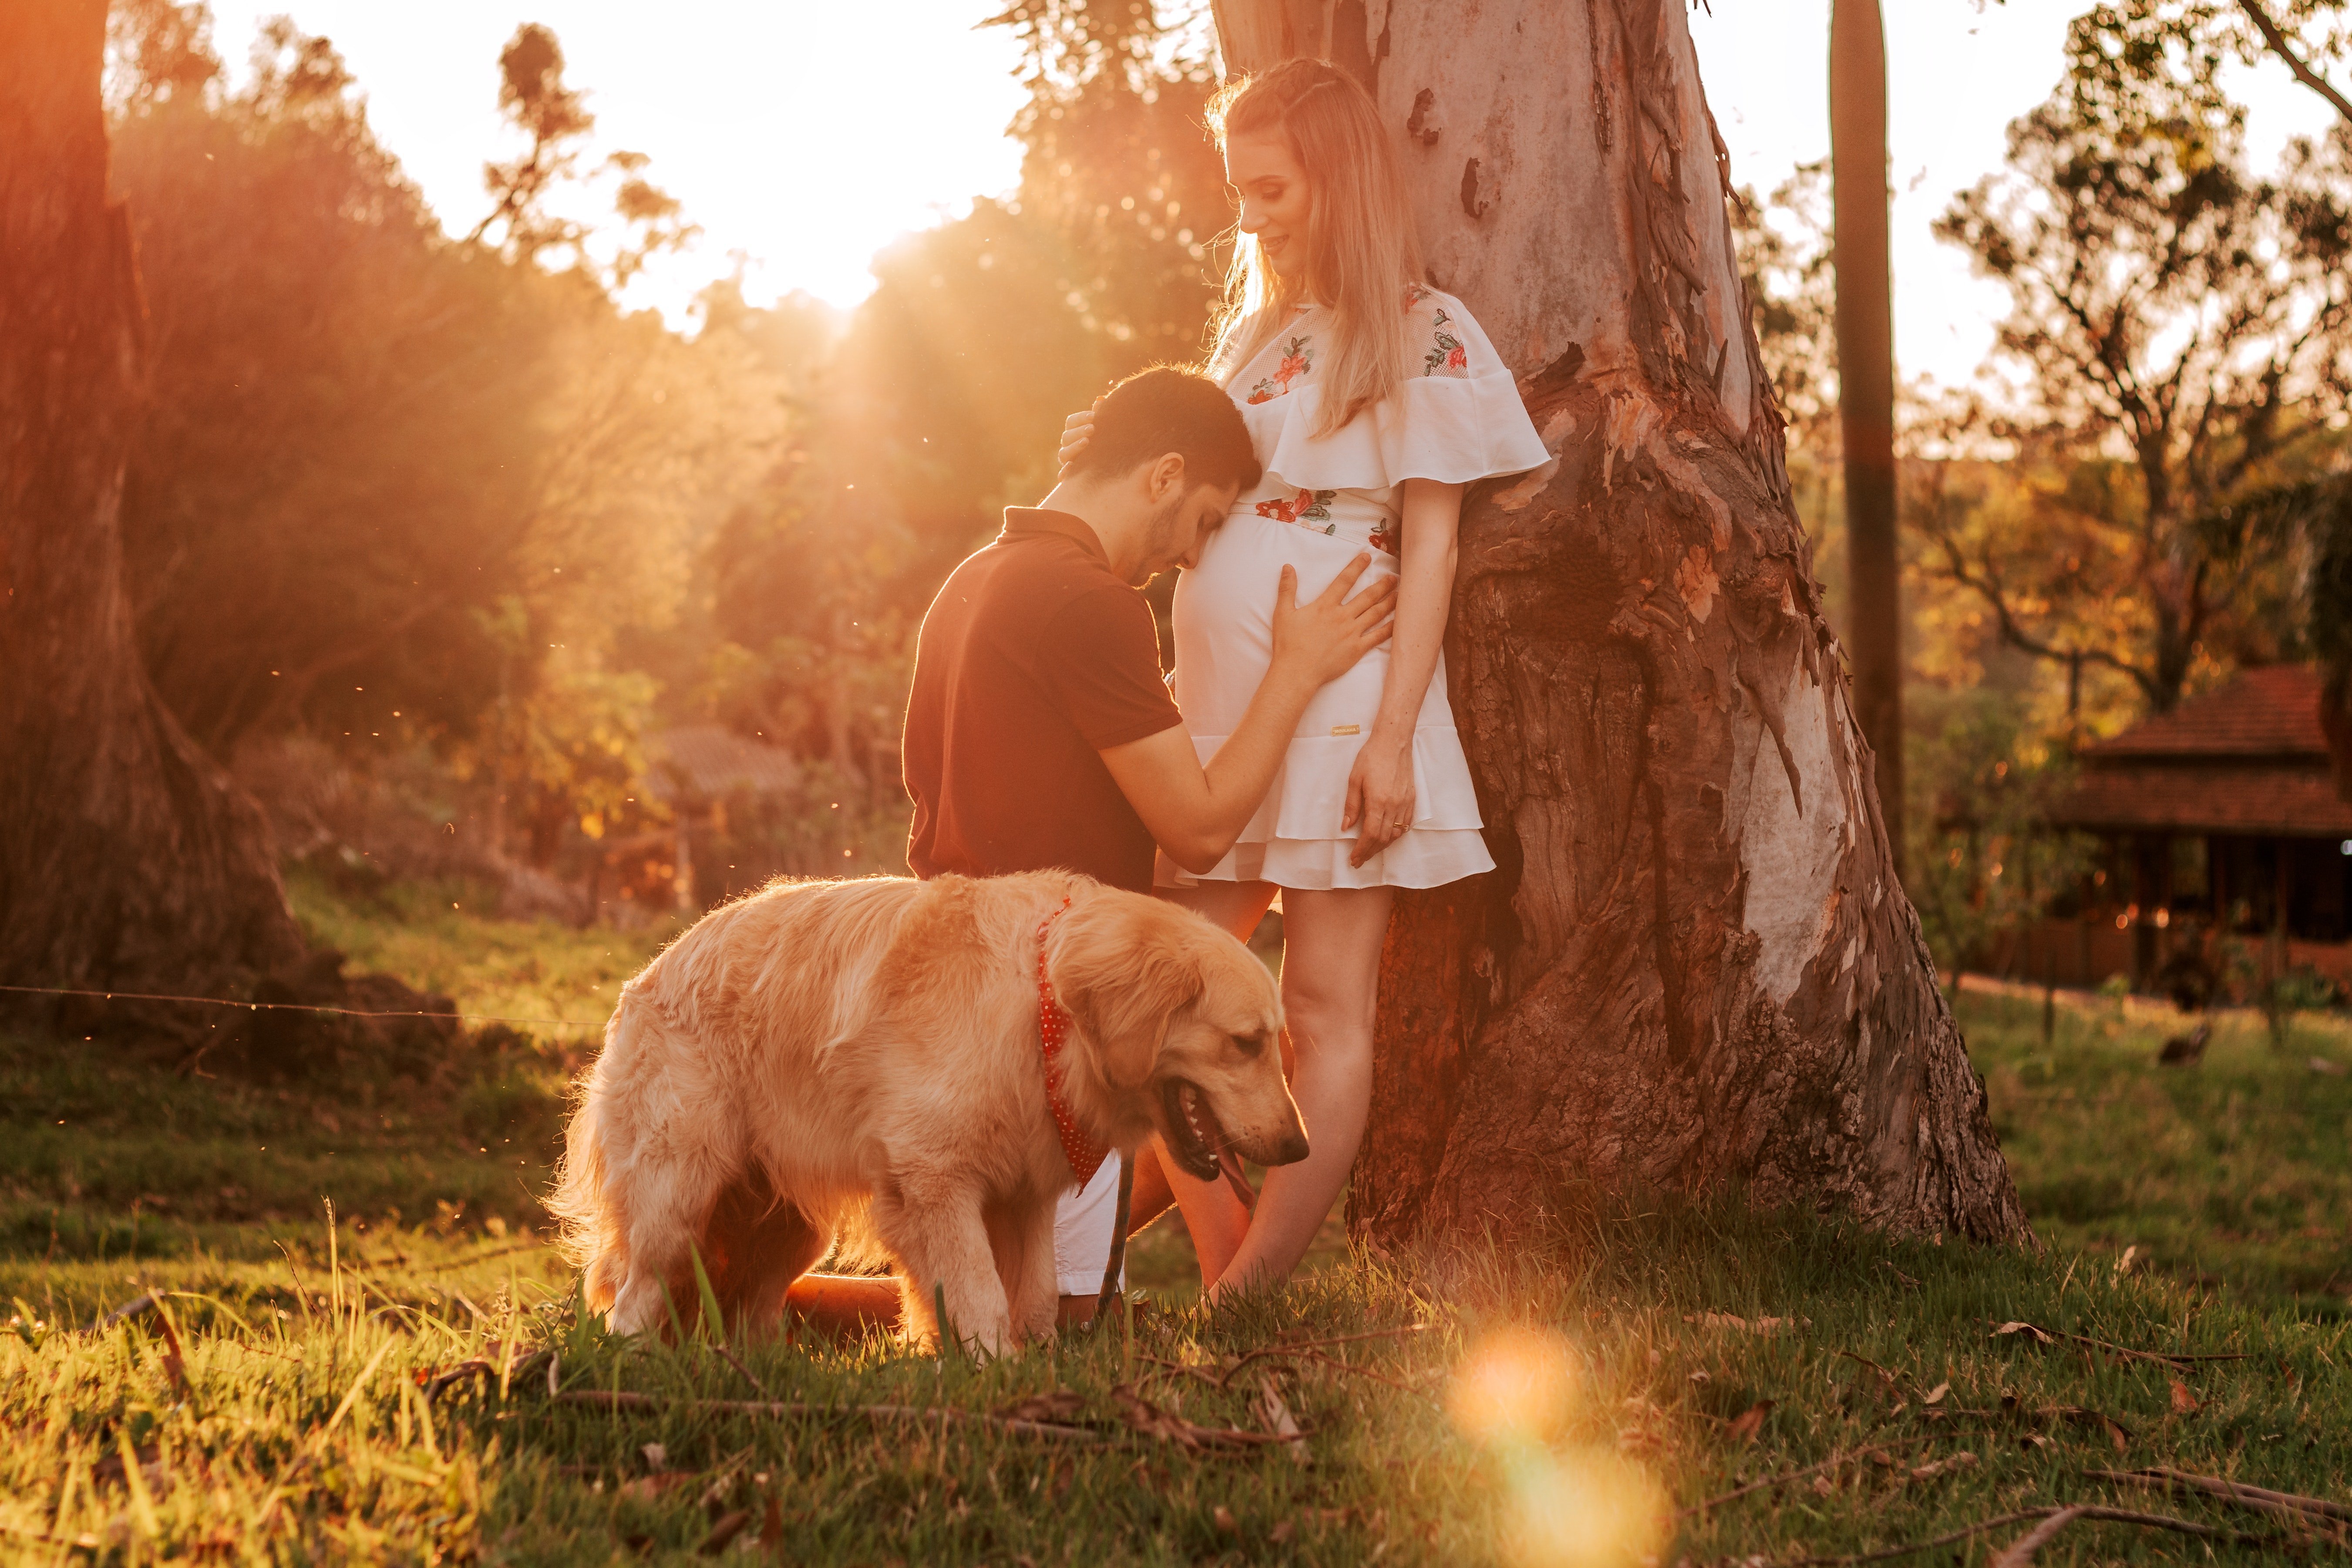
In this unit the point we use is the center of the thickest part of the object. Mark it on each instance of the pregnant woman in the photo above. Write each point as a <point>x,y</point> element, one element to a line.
<point>1373,402</point>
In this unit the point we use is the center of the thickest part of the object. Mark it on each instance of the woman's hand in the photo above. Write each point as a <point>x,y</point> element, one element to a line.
<point>1380,801</point>
<point>1076,431</point>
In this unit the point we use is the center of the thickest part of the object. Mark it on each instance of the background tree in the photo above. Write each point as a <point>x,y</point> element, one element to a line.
<point>128,860</point>
<point>2181,331</point>
<point>1693,965</point>
<point>2192,40</point>
<point>399,494</point>
<point>1865,357</point>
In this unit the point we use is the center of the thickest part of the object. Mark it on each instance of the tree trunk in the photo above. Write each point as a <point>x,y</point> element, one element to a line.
<point>1694,966</point>
<point>128,860</point>
<point>1866,345</point>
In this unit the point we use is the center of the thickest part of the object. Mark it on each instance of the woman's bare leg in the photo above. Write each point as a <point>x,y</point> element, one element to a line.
<point>1330,977</point>
<point>1213,1212</point>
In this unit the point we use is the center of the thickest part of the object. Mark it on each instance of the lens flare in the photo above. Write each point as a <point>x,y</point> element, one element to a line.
<point>1584,1510</point>
<point>1513,1387</point>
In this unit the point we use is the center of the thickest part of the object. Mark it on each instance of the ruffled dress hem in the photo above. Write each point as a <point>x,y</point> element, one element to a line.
<point>1296,840</point>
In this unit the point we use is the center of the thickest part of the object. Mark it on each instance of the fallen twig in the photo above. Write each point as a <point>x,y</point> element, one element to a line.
<point>1275,1353</point>
<point>1351,1339</point>
<point>1151,1421</point>
<point>625,1399</point>
<point>2052,1336</point>
<point>482,1368</point>
<point>2261,1499</point>
<point>1832,1462</point>
<point>131,1309</point>
<point>2054,1518</point>
<point>757,1386</point>
<point>1294,1347</point>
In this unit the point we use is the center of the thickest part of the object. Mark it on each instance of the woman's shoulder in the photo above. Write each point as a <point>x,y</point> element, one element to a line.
<point>1441,338</point>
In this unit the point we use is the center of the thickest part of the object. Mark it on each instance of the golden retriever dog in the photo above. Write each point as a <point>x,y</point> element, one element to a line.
<point>865,1054</point>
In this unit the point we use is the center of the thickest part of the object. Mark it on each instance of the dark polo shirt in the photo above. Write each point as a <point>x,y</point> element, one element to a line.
<point>1033,658</point>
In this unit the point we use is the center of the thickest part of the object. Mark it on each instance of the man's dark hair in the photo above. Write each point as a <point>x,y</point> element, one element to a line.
<point>1170,409</point>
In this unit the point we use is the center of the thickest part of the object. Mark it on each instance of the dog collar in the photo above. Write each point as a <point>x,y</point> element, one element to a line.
<point>1086,1155</point>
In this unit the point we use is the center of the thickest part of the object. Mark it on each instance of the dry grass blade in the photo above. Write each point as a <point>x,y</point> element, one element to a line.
<point>724,1533</point>
<point>624,1399</point>
<point>2021,1551</point>
<point>2261,1499</point>
<point>176,1360</point>
<point>1279,1421</point>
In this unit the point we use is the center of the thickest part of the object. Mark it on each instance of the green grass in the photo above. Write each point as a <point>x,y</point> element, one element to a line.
<point>2235,1172</point>
<point>1569,1403</point>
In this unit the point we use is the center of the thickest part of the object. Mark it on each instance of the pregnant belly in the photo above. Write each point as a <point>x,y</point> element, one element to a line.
<point>1223,618</point>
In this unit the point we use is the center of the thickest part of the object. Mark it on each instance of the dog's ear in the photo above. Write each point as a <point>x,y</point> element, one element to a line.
<point>1122,978</point>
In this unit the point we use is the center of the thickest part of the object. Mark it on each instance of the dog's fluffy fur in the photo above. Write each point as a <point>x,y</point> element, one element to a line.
<point>820,1050</point>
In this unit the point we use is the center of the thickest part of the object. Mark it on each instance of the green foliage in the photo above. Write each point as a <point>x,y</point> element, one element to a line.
<point>1982,859</point>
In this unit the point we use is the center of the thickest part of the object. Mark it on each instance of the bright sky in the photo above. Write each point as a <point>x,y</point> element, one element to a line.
<point>807,133</point>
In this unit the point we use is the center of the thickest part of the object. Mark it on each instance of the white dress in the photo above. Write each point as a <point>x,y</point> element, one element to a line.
<point>1456,417</point>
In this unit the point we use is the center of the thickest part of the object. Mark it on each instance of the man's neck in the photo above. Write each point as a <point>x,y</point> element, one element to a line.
<point>1118,534</point>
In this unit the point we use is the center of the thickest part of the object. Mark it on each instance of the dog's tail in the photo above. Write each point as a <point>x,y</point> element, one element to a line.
<point>582,1202</point>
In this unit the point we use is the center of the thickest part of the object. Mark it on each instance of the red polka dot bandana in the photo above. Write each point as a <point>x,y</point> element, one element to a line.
<point>1086,1155</point>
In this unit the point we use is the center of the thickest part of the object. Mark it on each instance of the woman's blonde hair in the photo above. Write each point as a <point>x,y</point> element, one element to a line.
<point>1362,249</point>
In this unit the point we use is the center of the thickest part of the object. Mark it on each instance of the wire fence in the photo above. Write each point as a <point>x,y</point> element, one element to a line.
<point>298,1007</point>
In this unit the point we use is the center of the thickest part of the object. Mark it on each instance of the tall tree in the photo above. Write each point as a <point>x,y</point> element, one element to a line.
<point>2181,327</point>
<point>128,860</point>
<point>1693,965</point>
<point>1865,350</point>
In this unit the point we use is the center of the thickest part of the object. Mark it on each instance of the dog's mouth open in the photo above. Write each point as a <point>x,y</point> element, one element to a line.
<point>1194,1136</point>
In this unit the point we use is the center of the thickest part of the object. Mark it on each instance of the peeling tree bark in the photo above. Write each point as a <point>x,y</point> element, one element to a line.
<point>128,860</point>
<point>1694,966</point>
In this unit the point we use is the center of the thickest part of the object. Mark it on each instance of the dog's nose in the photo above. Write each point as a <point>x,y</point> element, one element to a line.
<point>1292,1150</point>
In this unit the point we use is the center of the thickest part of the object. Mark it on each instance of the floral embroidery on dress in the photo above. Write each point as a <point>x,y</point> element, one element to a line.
<point>1297,359</point>
<point>1385,537</point>
<point>1447,355</point>
<point>1306,508</point>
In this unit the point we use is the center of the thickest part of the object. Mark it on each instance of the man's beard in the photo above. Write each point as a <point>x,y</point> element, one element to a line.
<point>1164,541</point>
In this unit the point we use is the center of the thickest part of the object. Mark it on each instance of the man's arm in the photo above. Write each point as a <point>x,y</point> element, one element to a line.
<point>1196,813</point>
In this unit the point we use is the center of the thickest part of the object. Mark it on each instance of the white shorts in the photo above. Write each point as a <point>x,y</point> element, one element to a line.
<point>1083,1223</point>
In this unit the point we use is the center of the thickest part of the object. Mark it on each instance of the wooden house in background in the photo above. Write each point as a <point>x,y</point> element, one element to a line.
<point>2218,819</point>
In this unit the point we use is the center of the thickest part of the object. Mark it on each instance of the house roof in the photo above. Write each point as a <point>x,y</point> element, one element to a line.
<point>2270,711</point>
<point>2248,758</point>
<point>710,761</point>
<point>2274,800</point>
